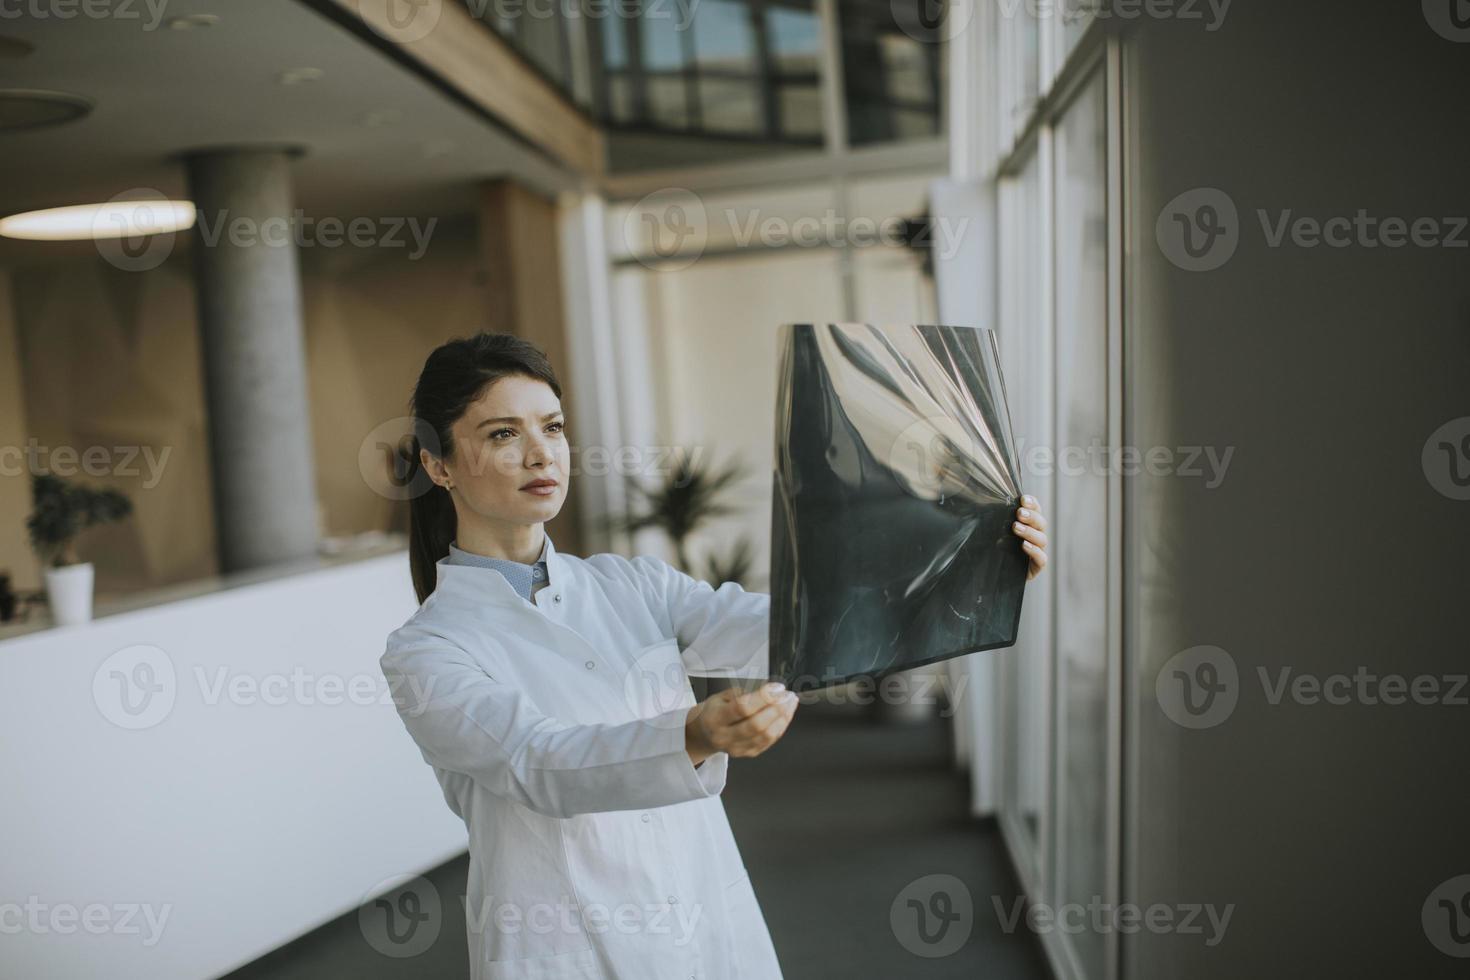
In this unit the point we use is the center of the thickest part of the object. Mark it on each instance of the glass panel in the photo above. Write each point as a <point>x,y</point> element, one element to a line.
<point>795,38</point>
<point>891,56</point>
<point>1022,34</point>
<point>663,43</point>
<point>801,110</point>
<point>1023,335</point>
<point>1080,511</point>
<point>729,105</point>
<point>748,68</point>
<point>723,39</point>
<point>667,100</point>
<point>906,69</point>
<point>620,98</point>
<point>663,59</point>
<point>896,482</point>
<point>908,124</point>
<point>614,42</point>
<point>542,41</point>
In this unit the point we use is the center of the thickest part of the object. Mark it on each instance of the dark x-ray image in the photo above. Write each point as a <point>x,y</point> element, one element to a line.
<point>896,482</point>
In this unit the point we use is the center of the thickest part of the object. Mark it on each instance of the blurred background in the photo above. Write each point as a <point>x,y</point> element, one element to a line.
<point>1223,245</point>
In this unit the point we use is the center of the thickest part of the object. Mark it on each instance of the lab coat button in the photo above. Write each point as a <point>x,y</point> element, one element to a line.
<point>590,665</point>
<point>646,818</point>
<point>673,899</point>
<point>557,597</point>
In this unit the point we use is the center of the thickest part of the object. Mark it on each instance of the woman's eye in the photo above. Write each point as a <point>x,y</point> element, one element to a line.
<point>498,432</point>
<point>557,426</point>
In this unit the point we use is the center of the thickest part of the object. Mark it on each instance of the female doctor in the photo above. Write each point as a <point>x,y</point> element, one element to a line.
<point>550,695</point>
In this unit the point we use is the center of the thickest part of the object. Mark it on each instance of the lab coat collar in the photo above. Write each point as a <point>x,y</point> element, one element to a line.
<point>488,583</point>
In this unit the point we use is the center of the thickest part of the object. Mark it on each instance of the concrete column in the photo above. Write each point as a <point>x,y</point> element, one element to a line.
<point>249,288</point>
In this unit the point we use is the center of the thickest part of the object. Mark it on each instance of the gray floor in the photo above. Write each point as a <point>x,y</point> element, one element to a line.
<point>833,822</point>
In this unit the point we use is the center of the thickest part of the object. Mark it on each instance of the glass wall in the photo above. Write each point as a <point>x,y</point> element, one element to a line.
<point>1026,348</point>
<point>891,69</point>
<point>720,68</point>
<point>1042,140</point>
<point>1079,510</point>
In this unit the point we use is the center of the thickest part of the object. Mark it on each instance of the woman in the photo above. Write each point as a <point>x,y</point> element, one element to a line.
<point>550,694</point>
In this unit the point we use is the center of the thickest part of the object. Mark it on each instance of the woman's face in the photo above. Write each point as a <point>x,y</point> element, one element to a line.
<point>511,438</point>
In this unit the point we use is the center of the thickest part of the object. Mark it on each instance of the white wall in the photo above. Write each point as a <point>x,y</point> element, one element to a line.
<point>239,822</point>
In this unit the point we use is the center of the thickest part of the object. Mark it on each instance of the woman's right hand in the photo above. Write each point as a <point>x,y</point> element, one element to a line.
<point>740,724</point>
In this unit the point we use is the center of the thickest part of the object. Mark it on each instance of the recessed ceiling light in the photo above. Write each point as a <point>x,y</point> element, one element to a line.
<point>191,22</point>
<point>90,222</point>
<point>32,108</point>
<point>14,47</point>
<point>298,75</point>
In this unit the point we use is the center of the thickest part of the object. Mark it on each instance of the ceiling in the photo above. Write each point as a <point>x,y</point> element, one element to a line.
<point>379,140</point>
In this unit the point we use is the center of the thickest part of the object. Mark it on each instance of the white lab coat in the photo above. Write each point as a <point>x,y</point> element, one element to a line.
<point>555,728</point>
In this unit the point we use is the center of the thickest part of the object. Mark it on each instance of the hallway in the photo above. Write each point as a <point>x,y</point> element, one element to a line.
<point>833,822</point>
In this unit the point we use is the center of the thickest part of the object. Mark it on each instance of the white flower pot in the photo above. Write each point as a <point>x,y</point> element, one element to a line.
<point>69,593</point>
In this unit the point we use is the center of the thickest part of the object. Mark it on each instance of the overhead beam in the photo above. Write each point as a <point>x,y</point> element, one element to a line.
<point>466,55</point>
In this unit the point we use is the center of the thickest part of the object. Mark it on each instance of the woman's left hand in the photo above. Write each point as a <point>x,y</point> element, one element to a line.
<point>1030,527</point>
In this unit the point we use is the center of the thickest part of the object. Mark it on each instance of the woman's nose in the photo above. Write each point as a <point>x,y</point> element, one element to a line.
<point>539,453</point>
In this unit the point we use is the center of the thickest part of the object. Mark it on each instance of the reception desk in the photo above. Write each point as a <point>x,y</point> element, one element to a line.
<point>189,785</point>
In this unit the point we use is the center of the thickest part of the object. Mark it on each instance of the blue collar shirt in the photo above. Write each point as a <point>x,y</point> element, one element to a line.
<point>526,579</point>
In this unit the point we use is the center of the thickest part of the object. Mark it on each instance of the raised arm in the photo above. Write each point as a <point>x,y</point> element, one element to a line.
<point>466,721</point>
<point>724,632</point>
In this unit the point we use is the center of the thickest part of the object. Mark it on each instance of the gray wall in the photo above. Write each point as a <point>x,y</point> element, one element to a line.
<point>1326,548</point>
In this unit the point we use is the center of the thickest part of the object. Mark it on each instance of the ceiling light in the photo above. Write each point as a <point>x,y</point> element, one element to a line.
<point>90,222</point>
<point>32,108</point>
<point>14,47</point>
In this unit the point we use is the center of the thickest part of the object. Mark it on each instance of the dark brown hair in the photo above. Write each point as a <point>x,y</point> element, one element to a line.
<point>454,376</point>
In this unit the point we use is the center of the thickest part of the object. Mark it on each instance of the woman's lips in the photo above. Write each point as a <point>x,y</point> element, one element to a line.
<point>544,490</point>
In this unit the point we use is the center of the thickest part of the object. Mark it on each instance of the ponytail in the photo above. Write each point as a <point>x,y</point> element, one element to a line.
<point>431,526</point>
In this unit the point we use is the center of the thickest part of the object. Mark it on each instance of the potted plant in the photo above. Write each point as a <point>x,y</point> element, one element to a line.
<point>62,511</point>
<point>688,498</point>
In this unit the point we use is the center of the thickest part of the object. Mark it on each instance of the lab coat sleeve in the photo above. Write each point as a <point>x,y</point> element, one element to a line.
<point>724,632</point>
<point>466,721</point>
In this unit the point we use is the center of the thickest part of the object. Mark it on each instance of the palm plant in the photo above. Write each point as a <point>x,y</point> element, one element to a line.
<point>734,566</point>
<point>686,500</point>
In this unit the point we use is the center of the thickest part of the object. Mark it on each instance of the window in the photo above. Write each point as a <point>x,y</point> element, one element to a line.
<point>891,57</point>
<point>1080,510</point>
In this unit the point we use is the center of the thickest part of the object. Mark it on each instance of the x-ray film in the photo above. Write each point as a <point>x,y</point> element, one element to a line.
<point>896,483</point>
